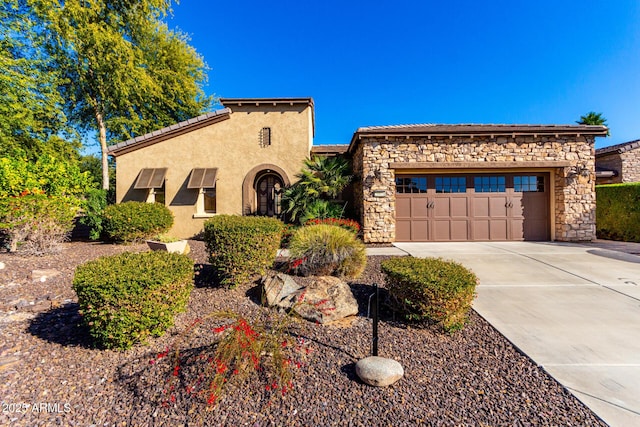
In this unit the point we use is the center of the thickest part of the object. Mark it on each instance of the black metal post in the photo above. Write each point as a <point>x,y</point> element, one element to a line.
<point>375,321</point>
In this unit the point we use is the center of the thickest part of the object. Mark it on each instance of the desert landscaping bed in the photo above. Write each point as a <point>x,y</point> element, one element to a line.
<point>51,375</point>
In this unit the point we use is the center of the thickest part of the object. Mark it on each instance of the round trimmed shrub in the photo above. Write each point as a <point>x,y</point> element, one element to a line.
<point>431,289</point>
<point>242,246</point>
<point>128,297</point>
<point>135,221</point>
<point>323,250</point>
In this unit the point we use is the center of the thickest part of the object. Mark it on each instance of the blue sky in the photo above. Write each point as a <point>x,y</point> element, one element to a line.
<point>457,61</point>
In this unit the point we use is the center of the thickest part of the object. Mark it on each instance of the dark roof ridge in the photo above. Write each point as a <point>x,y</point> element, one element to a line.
<point>620,148</point>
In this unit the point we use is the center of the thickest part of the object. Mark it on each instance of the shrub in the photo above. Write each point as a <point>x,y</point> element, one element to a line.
<point>127,297</point>
<point>36,222</point>
<point>134,221</point>
<point>241,246</point>
<point>431,289</point>
<point>93,210</point>
<point>347,224</point>
<point>618,212</point>
<point>327,250</point>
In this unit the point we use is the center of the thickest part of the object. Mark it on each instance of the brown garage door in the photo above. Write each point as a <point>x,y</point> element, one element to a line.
<point>472,207</point>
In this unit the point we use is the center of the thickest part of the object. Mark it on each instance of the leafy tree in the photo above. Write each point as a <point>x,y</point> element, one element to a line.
<point>32,121</point>
<point>594,119</point>
<point>126,73</point>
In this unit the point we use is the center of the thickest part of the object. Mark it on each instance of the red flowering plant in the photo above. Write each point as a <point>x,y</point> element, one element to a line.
<point>262,350</point>
<point>347,224</point>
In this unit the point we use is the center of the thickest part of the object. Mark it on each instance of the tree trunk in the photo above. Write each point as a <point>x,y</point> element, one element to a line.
<point>102,136</point>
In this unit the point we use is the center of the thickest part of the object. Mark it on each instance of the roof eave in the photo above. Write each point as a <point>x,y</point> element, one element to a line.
<point>168,132</point>
<point>478,130</point>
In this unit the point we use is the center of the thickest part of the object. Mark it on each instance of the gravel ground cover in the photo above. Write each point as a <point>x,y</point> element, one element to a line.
<point>51,375</point>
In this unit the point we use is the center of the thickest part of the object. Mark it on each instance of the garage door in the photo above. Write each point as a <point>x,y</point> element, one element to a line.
<point>468,207</point>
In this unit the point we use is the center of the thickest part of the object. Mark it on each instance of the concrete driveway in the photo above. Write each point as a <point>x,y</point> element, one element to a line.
<point>574,309</point>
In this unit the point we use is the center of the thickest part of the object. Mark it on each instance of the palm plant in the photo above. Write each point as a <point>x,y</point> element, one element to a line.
<point>325,177</point>
<point>321,180</point>
<point>594,119</point>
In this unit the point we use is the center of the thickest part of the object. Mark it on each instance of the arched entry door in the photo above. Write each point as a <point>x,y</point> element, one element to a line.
<point>269,190</point>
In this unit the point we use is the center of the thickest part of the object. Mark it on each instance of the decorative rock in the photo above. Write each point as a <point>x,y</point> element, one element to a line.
<point>324,300</point>
<point>43,275</point>
<point>379,371</point>
<point>2,265</point>
<point>327,299</point>
<point>279,290</point>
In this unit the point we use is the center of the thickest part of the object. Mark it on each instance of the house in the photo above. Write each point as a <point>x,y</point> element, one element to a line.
<point>233,161</point>
<point>412,182</point>
<point>618,163</point>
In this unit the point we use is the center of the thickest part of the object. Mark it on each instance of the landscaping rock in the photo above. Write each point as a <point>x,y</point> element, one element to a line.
<point>379,371</point>
<point>43,275</point>
<point>327,299</point>
<point>321,299</point>
<point>279,290</point>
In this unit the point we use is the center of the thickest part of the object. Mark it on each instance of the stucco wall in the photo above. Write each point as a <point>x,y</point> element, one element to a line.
<point>232,146</point>
<point>572,197</point>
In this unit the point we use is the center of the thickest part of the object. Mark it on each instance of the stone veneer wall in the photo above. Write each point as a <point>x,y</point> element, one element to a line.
<point>574,196</point>
<point>631,166</point>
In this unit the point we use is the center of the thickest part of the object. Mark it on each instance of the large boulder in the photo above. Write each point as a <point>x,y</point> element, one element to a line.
<point>379,371</point>
<point>321,299</point>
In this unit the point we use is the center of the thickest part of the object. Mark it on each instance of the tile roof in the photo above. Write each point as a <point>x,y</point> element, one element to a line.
<point>333,149</point>
<point>429,128</point>
<point>619,148</point>
<point>182,127</point>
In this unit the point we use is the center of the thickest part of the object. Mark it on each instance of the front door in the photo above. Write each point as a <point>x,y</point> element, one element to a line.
<point>269,190</point>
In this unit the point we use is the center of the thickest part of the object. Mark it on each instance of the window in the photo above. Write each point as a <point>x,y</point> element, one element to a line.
<point>265,137</point>
<point>152,180</point>
<point>204,180</point>
<point>411,185</point>
<point>451,184</point>
<point>530,183</point>
<point>489,184</point>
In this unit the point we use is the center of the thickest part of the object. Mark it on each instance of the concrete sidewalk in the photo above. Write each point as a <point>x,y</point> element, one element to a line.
<point>574,309</point>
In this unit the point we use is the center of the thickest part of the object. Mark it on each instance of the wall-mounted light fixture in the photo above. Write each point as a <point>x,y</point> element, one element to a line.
<point>578,170</point>
<point>379,193</point>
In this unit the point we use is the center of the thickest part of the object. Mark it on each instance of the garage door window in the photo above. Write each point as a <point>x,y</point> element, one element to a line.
<point>533,183</point>
<point>489,184</point>
<point>451,184</point>
<point>411,185</point>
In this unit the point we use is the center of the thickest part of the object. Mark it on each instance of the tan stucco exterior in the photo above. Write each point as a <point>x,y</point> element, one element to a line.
<point>229,142</point>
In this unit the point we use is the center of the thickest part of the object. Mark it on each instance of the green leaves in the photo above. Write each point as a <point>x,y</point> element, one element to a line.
<point>321,180</point>
<point>431,289</point>
<point>132,221</point>
<point>241,246</point>
<point>594,119</point>
<point>128,297</point>
<point>125,72</point>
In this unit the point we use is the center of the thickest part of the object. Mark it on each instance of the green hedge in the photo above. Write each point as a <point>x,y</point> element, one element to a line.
<point>127,297</point>
<point>134,221</point>
<point>323,250</point>
<point>618,212</point>
<point>241,246</point>
<point>431,289</point>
